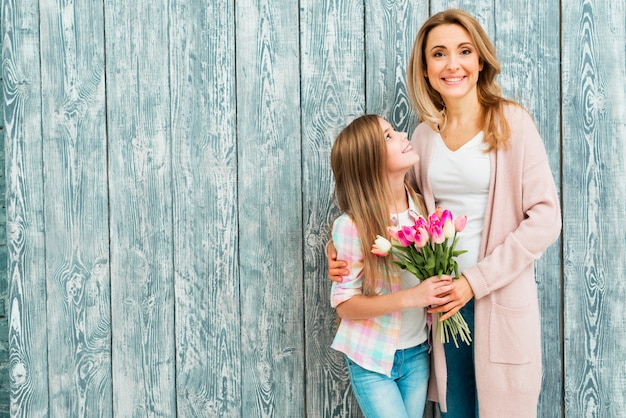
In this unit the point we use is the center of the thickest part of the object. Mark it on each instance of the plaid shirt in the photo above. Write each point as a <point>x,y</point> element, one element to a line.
<point>370,343</point>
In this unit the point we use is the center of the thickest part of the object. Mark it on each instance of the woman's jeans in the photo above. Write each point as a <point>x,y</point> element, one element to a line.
<point>402,395</point>
<point>461,398</point>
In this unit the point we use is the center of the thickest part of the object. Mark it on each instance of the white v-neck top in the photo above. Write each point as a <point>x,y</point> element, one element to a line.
<point>460,183</point>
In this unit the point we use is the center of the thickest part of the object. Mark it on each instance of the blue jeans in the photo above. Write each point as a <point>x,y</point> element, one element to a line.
<point>402,395</point>
<point>461,398</point>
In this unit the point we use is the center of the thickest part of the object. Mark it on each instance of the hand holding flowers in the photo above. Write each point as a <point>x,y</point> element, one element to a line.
<point>426,249</point>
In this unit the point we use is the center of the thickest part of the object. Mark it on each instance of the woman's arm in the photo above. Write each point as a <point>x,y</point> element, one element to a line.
<point>525,217</point>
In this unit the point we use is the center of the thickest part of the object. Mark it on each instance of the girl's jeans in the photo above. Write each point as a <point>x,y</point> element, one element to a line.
<point>402,395</point>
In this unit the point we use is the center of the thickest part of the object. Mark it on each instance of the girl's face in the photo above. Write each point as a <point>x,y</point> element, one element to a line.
<point>452,62</point>
<point>400,154</point>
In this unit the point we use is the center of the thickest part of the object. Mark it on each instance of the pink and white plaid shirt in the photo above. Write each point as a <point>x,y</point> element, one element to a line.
<point>370,343</point>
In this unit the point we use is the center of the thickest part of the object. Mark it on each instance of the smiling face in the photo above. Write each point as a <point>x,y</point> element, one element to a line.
<point>400,154</point>
<point>452,63</point>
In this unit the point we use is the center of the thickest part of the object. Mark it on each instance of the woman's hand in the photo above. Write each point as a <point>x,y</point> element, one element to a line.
<point>457,298</point>
<point>432,291</point>
<point>336,268</point>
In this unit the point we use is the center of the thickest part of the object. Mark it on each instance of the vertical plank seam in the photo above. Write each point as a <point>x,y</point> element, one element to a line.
<point>43,199</point>
<point>302,222</point>
<point>237,201</point>
<point>562,243</point>
<point>173,202</point>
<point>108,197</point>
<point>364,69</point>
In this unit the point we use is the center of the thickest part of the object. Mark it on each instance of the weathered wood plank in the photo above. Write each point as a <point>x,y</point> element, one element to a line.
<point>333,93</point>
<point>270,208</point>
<point>528,47</point>
<point>5,389</point>
<point>594,198</point>
<point>482,10</point>
<point>140,214</point>
<point>76,216</point>
<point>390,29</point>
<point>28,360</point>
<point>202,64</point>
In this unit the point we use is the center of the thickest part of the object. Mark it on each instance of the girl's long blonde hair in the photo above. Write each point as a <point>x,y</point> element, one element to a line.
<point>428,103</point>
<point>359,162</point>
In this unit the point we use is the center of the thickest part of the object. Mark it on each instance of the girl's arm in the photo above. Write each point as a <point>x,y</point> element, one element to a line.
<point>419,296</point>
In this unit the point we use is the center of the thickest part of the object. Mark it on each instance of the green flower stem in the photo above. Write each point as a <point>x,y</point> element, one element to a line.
<point>453,327</point>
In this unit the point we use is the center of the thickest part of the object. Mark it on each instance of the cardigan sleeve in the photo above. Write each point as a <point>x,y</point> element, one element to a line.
<point>525,216</point>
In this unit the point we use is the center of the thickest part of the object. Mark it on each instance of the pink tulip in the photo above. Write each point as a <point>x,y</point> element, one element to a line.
<point>421,237</point>
<point>393,232</point>
<point>438,212</point>
<point>446,216</point>
<point>436,232</point>
<point>459,223</point>
<point>409,233</point>
<point>402,239</point>
<point>420,222</point>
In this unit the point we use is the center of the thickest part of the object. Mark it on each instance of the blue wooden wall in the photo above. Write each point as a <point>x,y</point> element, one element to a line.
<point>168,196</point>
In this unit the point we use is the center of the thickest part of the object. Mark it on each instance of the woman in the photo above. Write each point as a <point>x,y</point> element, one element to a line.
<point>383,331</point>
<point>481,155</point>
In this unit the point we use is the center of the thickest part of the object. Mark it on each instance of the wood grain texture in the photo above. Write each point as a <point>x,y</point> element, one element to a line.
<point>594,198</point>
<point>483,10</point>
<point>77,236</point>
<point>5,388</point>
<point>270,208</point>
<point>527,44</point>
<point>28,359</point>
<point>204,152</point>
<point>140,208</point>
<point>169,196</point>
<point>333,93</point>
<point>390,29</point>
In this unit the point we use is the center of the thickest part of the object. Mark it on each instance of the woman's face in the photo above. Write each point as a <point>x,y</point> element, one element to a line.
<point>452,62</point>
<point>400,154</point>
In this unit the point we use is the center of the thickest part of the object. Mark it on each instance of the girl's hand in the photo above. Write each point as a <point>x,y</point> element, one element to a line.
<point>432,291</point>
<point>336,268</point>
<point>457,298</point>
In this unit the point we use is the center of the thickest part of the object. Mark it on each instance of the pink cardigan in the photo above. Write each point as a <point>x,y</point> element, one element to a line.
<point>522,219</point>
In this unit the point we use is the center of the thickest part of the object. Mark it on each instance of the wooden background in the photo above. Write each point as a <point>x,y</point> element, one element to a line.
<point>168,196</point>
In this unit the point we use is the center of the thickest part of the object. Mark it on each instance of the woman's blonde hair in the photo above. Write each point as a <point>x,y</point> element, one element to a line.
<point>428,103</point>
<point>359,162</point>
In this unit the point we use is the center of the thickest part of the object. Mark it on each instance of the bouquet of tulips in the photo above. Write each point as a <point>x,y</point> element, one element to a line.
<point>426,249</point>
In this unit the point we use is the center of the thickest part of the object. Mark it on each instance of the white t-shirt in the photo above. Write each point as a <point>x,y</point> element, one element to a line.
<point>413,330</point>
<point>460,183</point>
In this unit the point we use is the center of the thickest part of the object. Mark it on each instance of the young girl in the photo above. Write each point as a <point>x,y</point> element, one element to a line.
<point>383,330</point>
